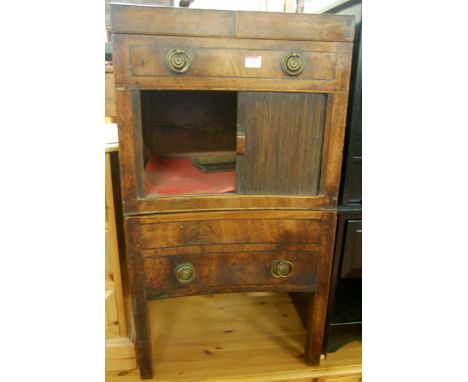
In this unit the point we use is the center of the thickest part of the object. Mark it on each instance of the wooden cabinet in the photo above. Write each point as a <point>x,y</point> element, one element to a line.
<point>231,143</point>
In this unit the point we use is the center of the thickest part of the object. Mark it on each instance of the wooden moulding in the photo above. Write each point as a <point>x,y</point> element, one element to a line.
<point>141,19</point>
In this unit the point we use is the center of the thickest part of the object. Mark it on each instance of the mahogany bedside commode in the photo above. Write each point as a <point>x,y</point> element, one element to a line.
<point>231,129</point>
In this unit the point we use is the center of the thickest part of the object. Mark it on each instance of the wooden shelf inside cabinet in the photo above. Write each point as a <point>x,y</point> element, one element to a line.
<point>245,83</point>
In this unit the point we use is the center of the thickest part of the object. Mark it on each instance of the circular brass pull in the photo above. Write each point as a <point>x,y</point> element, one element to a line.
<point>178,61</point>
<point>281,268</point>
<point>185,273</point>
<point>293,64</point>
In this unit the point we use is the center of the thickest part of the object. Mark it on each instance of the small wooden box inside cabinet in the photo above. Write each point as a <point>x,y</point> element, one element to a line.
<point>231,130</point>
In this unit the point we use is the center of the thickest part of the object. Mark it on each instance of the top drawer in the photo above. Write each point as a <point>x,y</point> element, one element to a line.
<point>197,232</point>
<point>167,61</point>
<point>197,60</point>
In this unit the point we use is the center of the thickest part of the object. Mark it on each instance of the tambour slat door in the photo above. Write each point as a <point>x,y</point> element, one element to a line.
<point>280,139</point>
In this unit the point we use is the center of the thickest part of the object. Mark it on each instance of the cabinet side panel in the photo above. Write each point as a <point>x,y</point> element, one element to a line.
<point>284,138</point>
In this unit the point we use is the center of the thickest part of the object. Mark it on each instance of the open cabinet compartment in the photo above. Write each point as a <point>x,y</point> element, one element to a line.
<point>189,140</point>
<point>216,142</point>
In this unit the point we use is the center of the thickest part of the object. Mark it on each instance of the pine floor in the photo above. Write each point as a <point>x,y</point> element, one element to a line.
<point>236,337</point>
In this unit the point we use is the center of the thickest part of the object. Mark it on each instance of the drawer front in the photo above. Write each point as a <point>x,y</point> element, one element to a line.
<point>240,231</point>
<point>225,62</point>
<point>220,252</point>
<point>233,63</point>
<point>228,272</point>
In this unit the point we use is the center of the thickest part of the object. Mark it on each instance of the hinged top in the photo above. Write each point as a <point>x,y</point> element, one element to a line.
<point>154,20</point>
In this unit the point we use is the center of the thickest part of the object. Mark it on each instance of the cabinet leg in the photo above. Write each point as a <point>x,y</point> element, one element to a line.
<point>315,328</point>
<point>317,310</point>
<point>143,342</point>
<point>139,302</point>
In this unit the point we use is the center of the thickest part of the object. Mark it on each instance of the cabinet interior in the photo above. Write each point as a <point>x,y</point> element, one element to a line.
<point>189,142</point>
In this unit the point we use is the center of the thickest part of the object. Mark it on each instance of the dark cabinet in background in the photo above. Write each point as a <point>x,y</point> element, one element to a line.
<point>345,299</point>
<point>350,245</point>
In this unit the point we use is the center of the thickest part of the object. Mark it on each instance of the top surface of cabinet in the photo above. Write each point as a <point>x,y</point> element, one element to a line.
<point>144,19</point>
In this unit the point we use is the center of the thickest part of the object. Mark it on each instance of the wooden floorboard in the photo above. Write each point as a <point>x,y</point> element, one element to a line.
<point>234,337</point>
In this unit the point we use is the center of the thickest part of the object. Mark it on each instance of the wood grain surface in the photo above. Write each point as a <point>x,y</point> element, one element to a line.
<point>201,22</point>
<point>228,272</point>
<point>172,21</point>
<point>188,121</point>
<point>120,354</point>
<point>284,136</point>
<point>224,61</point>
<point>243,231</point>
<point>236,337</point>
<point>139,301</point>
<point>139,61</point>
<point>318,301</point>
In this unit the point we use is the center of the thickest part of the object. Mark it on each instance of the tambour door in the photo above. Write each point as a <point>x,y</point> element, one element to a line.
<point>280,143</point>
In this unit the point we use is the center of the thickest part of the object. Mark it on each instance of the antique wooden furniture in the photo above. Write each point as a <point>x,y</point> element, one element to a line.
<point>266,93</point>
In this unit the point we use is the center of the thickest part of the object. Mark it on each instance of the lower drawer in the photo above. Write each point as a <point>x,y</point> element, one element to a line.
<point>169,276</point>
<point>219,252</point>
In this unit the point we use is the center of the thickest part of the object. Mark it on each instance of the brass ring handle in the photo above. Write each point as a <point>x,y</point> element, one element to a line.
<point>293,64</point>
<point>185,273</point>
<point>178,61</point>
<point>281,268</point>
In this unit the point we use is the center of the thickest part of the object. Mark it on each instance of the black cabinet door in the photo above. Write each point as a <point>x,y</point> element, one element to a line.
<point>351,192</point>
<point>351,263</point>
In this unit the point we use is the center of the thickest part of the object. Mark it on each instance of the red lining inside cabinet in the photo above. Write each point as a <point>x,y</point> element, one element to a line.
<point>178,176</point>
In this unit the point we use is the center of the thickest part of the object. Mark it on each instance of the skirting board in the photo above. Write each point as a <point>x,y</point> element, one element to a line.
<point>120,354</point>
